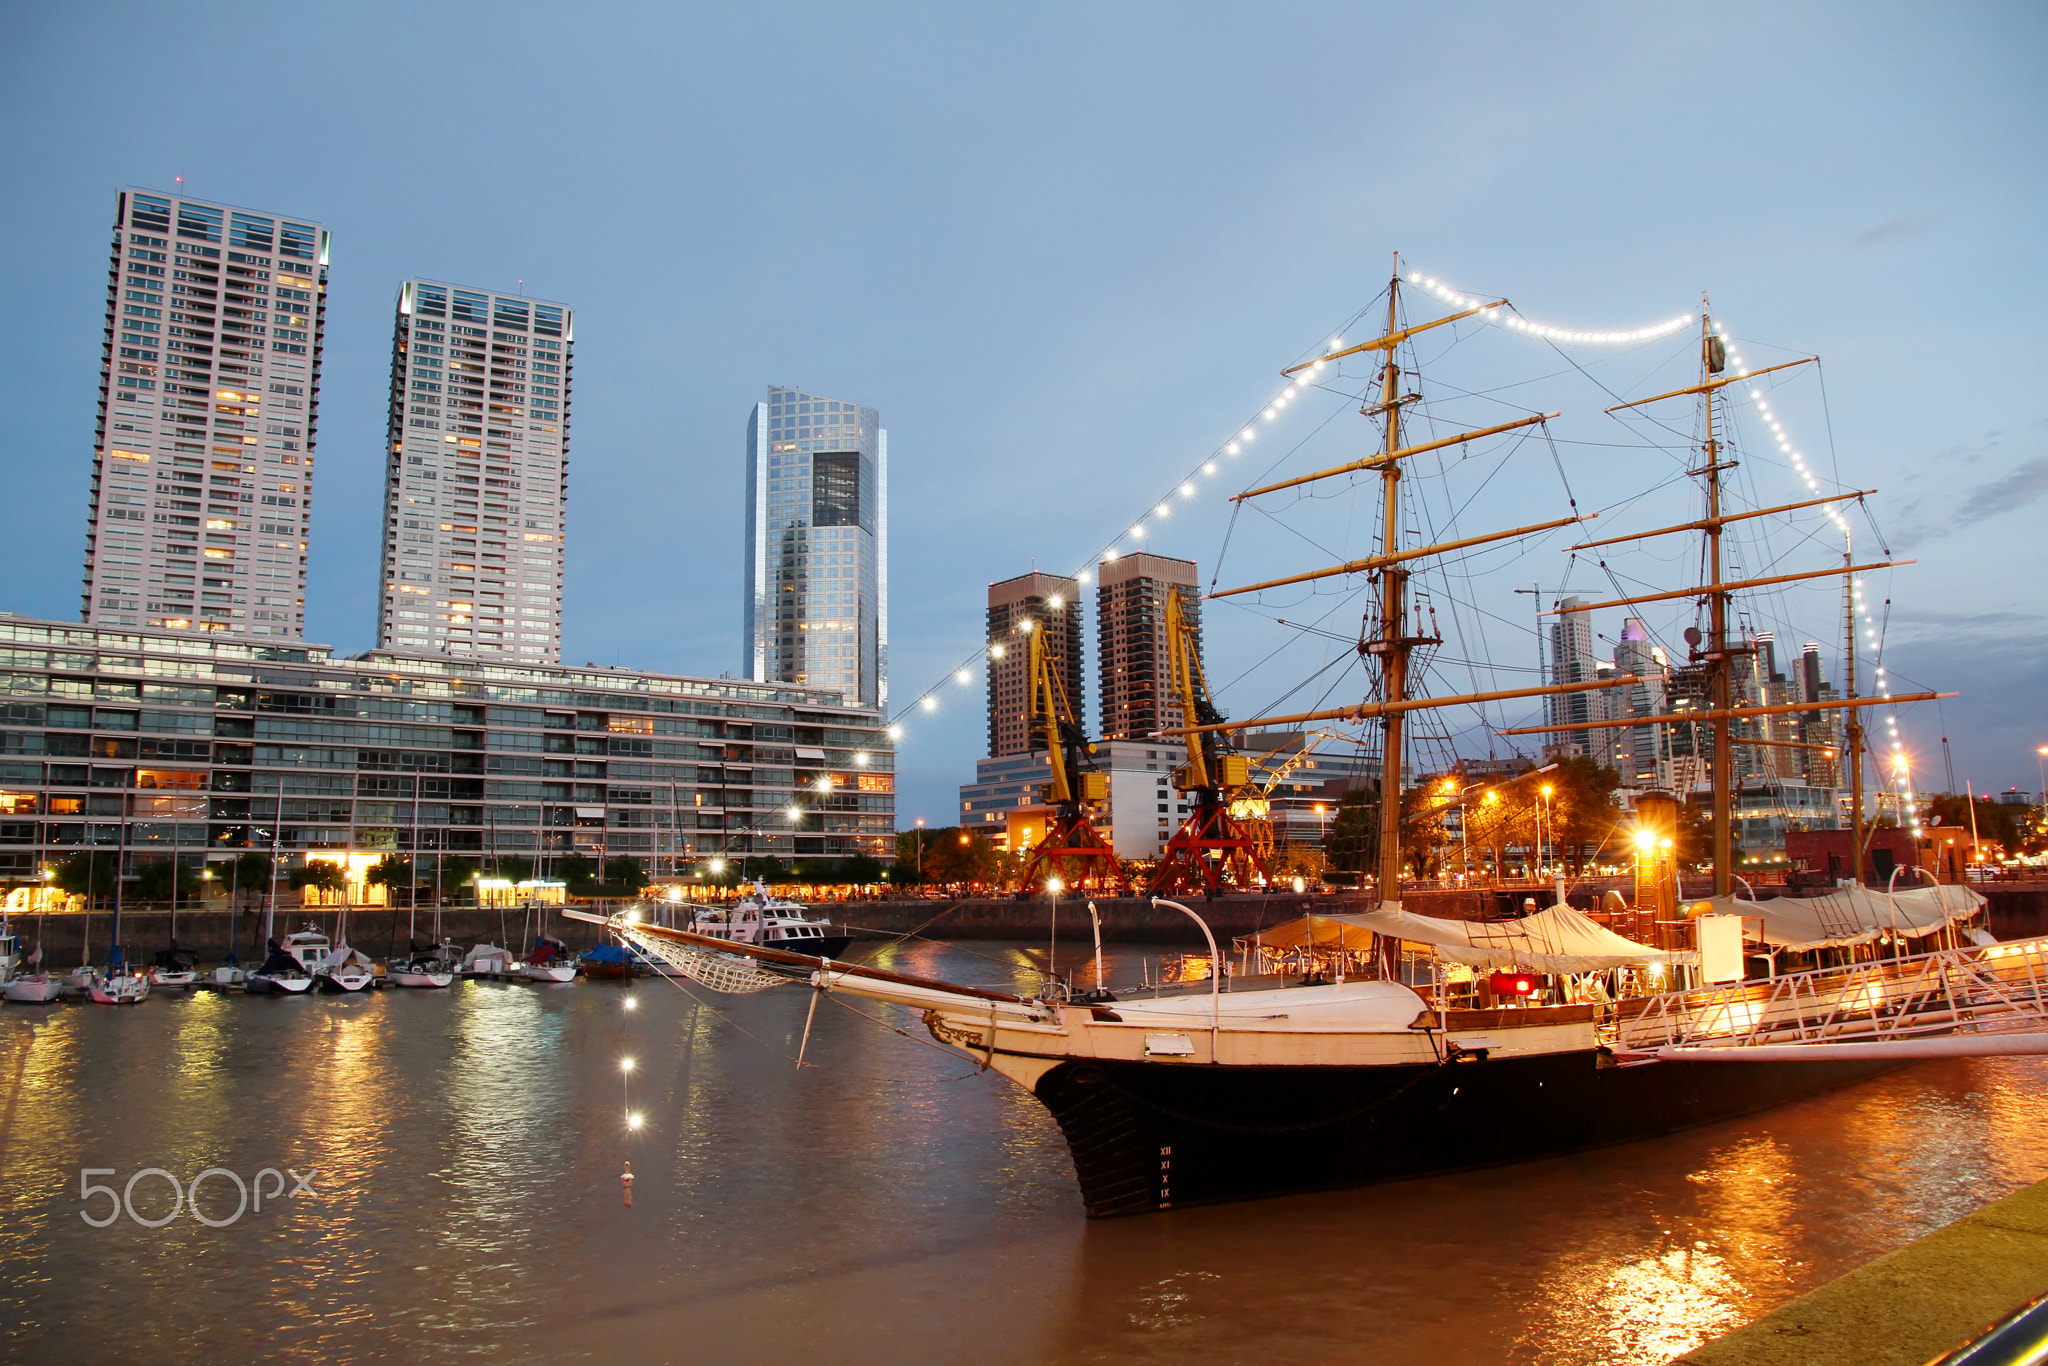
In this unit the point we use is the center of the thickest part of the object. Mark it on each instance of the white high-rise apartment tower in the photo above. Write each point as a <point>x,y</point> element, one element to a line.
<point>202,485</point>
<point>817,587</point>
<point>478,443</point>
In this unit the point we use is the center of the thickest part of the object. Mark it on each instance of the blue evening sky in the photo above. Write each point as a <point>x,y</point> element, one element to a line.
<point>1065,249</point>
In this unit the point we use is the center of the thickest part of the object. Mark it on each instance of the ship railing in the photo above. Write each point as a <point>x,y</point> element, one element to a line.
<point>2001,988</point>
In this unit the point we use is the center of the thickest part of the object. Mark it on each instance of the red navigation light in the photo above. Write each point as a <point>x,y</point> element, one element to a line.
<point>1511,985</point>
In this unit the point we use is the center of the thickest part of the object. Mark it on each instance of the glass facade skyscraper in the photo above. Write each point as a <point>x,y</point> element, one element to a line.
<point>202,484</point>
<point>816,591</point>
<point>478,451</point>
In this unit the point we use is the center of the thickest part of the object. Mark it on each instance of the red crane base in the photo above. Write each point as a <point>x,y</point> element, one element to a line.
<point>1186,866</point>
<point>1072,846</point>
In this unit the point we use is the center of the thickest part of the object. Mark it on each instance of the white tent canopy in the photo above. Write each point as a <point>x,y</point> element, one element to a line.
<point>1558,939</point>
<point>1853,915</point>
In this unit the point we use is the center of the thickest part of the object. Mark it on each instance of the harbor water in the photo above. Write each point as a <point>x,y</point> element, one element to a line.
<point>441,1179</point>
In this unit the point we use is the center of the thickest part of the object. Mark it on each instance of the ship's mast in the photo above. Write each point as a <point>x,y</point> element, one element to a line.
<point>1853,736</point>
<point>1392,646</point>
<point>1719,675</point>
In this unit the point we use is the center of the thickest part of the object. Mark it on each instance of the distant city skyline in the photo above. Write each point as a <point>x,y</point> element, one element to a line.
<point>1060,333</point>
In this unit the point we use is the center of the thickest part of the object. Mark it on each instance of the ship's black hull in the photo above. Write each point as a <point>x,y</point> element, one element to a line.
<point>1151,1136</point>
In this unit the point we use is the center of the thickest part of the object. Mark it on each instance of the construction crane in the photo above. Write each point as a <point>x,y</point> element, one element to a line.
<point>1254,810</point>
<point>1072,849</point>
<point>1214,844</point>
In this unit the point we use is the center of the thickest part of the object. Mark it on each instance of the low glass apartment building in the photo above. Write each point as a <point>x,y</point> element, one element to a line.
<point>147,743</point>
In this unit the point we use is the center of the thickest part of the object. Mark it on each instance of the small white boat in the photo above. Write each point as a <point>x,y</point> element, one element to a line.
<point>422,974</point>
<point>175,968</point>
<point>281,973</point>
<point>346,977</point>
<point>550,962</point>
<point>33,989</point>
<point>226,977</point>
<point>487,960</point>
<point>77,982</point>
<point>124,988</point>
<point>770,921</point>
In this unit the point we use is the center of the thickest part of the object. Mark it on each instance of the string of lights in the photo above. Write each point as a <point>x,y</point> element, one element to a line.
<point>1186,488</point>
<point>1897,760</point>
<point>1511,320</point>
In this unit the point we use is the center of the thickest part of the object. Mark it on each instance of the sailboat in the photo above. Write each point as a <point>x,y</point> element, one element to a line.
<point>1362,1069</point>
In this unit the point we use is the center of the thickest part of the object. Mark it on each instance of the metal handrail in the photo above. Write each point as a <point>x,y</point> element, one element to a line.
<point>1997,989</point>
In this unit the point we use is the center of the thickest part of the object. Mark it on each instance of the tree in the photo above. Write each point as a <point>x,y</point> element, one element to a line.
<point>909,843</point>
<point>860,870</point>
<point>250,872</point>
<point>764,867</point>
<point>1353,841</point>
<point>324,875</point>
<point>625,871</point>
<point>161,879</point>
<point>1583,812</point>
<point>959,857</point>
<point>394,873</point>
<point>515,867</point>
<point>456,873</point>
<point>86,874</point>
<point>577,871</point>
<point>1996,823</point>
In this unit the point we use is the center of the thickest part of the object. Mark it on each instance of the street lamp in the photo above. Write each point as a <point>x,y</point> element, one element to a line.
<point>2041,770</point>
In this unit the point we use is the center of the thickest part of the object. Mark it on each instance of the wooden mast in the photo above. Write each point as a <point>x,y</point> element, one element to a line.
<point>1719,674</point>
<point>1392,646</point>
<point>1853,734</point>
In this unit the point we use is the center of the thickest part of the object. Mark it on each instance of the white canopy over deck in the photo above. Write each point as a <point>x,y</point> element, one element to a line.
<point>1555,940</point>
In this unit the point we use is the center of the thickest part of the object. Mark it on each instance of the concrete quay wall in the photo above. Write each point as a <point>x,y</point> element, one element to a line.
<point>1909,1306</point>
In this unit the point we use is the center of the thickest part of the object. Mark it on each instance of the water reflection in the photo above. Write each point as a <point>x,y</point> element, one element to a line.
<point>891,1202</point>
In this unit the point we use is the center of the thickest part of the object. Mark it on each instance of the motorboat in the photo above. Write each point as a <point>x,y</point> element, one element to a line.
<point>771,922</point>
<point>549,962</point>
<point>77,982</point>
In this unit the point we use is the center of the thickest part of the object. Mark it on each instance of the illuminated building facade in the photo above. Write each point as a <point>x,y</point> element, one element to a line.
<point>816,598</point>
<point>202,485</point>
<point>1130,625</point>
<point>1051,604</point>
<point>142,744</point>
<point>477,485</point>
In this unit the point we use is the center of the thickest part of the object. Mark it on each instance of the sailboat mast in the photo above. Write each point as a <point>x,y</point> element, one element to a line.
<point>1392,646</point>
<point>1718,672</point>
<point>1854,732</point>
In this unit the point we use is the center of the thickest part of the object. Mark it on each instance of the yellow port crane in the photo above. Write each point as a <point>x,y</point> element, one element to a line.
<point>1073,849</point>
<point>1214,845</point>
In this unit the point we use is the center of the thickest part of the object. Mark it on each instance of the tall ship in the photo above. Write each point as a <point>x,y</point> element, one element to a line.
<point>1385,1043</point>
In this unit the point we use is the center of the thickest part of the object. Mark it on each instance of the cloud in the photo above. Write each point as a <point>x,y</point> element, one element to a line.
<point>2016,490</point>
<point>1897,229</point>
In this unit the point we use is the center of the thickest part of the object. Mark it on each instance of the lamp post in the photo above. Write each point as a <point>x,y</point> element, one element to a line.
<point>1053,885</point>
<point>920,851</point>
<point>1542,821</point>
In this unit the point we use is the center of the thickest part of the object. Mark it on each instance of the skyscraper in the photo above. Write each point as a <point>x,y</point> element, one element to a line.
<point>478,445</point>
<point>209,397</point>
<point>1572,661</point>
<point>1052,605</point>
<point>1130,625</point>
<point>817,572</point>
